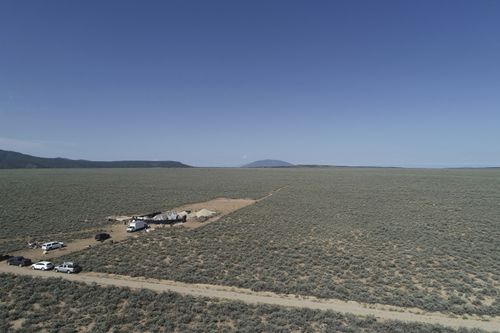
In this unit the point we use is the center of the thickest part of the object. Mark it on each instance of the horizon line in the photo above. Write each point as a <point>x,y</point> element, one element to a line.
<point>295,165</point>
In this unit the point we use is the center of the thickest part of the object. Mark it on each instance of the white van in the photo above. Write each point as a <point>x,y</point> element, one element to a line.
<point>136,225</point>
<point>52,246</point>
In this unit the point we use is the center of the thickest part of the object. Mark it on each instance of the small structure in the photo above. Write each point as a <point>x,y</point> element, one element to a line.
<point>169,217</point>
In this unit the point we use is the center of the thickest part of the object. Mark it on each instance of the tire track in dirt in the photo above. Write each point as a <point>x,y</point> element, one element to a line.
<point>270,194</point>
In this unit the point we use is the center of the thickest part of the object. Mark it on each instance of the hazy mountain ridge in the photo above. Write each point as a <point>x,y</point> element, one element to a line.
<point>15,160</point>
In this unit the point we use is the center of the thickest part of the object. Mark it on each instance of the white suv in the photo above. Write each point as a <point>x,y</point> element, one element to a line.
<point>43,265</point>
<point>52,246</point>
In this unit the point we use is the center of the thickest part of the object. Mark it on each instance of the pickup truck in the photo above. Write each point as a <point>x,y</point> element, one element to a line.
<point>19,261</point>
<point>68,267</point>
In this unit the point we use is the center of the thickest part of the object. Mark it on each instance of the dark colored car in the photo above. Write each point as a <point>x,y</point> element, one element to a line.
<point>102,237</point>
<point>19,261</point>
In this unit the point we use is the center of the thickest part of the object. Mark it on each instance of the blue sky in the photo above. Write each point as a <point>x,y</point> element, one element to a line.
<point>223,83</point>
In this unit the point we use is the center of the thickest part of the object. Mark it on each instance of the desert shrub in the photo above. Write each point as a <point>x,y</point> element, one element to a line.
<point>418,238</point>
<point>80,307</point>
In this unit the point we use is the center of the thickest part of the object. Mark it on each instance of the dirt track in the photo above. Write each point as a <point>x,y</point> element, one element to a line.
<point>381,312</point>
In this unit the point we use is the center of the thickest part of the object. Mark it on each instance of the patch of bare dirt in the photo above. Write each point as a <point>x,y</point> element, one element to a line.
<point>222,206</point>
<point>16,324</point>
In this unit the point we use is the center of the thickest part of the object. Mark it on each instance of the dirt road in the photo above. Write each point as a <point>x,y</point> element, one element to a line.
<point>381,312</point>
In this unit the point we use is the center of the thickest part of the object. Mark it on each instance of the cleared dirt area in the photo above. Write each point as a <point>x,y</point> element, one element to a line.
<point>117,231</point>
<point>223,207</point>
<point>381,312</point>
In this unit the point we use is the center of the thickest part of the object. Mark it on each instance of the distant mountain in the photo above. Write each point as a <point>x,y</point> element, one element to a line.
<point>268,164</point>
<point>15,160</point>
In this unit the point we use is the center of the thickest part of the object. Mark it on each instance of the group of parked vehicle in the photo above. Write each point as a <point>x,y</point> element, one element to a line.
<point>66,267</point>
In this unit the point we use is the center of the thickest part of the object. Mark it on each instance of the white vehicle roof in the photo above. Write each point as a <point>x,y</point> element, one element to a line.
<point>43,262</point>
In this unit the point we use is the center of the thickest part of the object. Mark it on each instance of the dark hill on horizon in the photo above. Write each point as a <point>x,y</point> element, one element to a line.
<point>268,164</point>
<point>15,160</point>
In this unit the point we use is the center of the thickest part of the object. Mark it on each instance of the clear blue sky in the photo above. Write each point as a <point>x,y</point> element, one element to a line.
<point>222,83</point>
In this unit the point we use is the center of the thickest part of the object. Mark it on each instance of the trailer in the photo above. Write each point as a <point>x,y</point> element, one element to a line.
<point>136,225</point>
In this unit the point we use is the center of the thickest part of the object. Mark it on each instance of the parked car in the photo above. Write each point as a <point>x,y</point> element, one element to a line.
<point>4,257</point>
<point>68,267</point>
<point>52,246</point>
<point>101,237</point>
<point>19,261</point>
<point>43,265</point>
